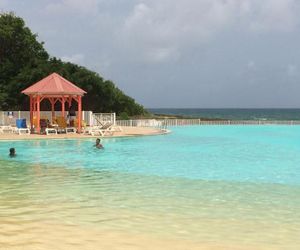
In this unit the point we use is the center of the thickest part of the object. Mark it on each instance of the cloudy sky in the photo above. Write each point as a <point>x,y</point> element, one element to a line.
<point>178,53</point>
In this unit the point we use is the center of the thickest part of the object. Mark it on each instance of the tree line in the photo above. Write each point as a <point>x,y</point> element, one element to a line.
<point>24,61</point>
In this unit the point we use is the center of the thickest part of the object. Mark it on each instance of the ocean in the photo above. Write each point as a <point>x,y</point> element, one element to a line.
<point>232,114</point>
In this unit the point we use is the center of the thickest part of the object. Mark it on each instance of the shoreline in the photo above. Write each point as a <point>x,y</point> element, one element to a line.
<point>126,132</point>
<point>85,237</point>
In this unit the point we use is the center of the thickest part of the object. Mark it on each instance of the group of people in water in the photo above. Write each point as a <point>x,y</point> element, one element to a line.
<point>12,151</point>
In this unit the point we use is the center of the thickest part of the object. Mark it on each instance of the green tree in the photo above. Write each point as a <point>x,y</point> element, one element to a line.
<point>24,61</point>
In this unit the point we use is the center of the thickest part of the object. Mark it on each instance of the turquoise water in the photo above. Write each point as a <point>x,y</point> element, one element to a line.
<point>267,154</point>
<point>225,185</point>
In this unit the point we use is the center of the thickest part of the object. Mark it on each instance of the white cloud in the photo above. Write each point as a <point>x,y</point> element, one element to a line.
<point>169,26</point>
<point>77,58</point>
<point>276,15</point>
<point>207,41</point>
<point>158,29</point>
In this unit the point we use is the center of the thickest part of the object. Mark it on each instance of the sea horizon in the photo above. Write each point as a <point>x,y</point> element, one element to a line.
<point>232,113</point>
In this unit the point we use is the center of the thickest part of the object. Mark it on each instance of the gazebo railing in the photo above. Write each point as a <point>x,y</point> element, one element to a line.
<point>6,119</point>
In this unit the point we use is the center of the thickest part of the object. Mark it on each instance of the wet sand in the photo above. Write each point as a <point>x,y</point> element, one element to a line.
<point>126,131</point>
<point>56,235</point>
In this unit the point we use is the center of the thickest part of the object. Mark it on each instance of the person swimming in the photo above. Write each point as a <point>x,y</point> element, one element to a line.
<point>98,144</point>
<point>12,152</point>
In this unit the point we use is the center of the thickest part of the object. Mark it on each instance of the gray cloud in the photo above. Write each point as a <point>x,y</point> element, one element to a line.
<point>183,53</point>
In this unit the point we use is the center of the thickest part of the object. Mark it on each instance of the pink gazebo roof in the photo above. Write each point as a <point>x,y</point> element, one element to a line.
<point>54,84</point>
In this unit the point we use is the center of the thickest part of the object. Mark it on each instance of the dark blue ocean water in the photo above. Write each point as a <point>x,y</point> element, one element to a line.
<point>234,114</point>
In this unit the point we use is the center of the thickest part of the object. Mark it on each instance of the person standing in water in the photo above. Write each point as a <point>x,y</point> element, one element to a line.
<point>98,144</point>
<point>12,152</point>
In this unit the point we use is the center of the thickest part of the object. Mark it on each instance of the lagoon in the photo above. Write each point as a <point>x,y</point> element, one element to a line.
<point>205,187</point>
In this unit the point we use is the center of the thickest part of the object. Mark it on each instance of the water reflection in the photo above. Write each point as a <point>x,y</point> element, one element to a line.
<point>35,195</point>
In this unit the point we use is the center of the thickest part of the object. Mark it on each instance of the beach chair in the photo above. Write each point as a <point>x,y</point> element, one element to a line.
<point>21,128</point>
<point>7,129</point>
<point>83,123</point>
<point>22,131</point>
<point>91,130</point>
<point>63,126</point>
<point>51,131</point>
<point>45,125</point>
<point>117,128</point>
<point>47,128</point>
<point>104,130</point>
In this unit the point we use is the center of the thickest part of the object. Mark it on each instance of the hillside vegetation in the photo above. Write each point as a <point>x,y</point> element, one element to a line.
<point>24,61</point>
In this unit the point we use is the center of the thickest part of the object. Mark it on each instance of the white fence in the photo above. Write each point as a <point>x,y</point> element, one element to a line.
<point>163,123</point>
<point>101,118</point>
<point>96,119</point>
<point>10,117</point>
<point>140,123</point>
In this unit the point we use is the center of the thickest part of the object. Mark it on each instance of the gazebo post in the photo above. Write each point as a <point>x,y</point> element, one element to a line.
<point>31,112</point>
<point>33,109</point>
<point>79,114</point>
<point>38,128</point>
<point>52,109</point>
<point>63,107</point>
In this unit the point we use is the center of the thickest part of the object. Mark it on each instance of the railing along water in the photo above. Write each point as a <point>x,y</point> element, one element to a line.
<point>94,119</point>
<point>101,118</point>
<point>164,123</point>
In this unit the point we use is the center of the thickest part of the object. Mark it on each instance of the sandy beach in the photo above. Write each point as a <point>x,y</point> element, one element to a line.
<point>126,131</point>
<point>60,236</point>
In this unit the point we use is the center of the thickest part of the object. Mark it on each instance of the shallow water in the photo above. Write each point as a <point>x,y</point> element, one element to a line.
<point>199,187</point>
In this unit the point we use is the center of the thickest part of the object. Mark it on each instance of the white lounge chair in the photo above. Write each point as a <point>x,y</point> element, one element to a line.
<point>7,129</point>
<point>105,129</point>
<point>89,130</point>
<point>117,128</point>
<point>51,131</point>
<point>22,131</point>
<point>95,130</point>
<point>71,130</point>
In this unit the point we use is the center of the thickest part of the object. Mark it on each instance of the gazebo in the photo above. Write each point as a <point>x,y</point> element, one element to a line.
<point>54,88</point>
